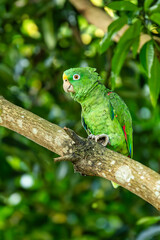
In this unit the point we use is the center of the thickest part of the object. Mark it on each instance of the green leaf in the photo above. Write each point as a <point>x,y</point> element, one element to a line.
<point>117,24</point>
<point>147,3</point>
<point>125,43</point>
<point>155,17</point>
<point>122,6</point>
<point>113,28</point>
<point>155,8</point>
<point>6,74</point>
<point>118,59</point>
<point>148,220</point>
<point>147,56</point>
<point>16,163</point>
<point>135,45</point>
<point>153,81</point>
<point>48,31</point>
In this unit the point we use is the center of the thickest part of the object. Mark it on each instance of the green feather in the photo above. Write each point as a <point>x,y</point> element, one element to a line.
<point>111,111</point>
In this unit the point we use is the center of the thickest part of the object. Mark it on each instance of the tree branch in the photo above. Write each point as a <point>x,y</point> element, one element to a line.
<point>98,17</point>
<point>88,157</point>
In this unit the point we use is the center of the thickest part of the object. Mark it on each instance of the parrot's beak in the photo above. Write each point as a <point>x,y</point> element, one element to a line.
<point>67,86</point>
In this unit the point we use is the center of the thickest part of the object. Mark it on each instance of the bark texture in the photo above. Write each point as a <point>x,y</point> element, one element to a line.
<point>88,157</point>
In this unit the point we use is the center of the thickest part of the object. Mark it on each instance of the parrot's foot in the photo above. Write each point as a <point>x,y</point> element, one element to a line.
<point>102,139</point>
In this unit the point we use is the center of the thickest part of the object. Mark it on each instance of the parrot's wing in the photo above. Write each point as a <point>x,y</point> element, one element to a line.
<point>120,110</point>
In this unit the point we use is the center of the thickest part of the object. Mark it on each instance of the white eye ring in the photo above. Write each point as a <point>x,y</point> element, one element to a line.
<point>76,77</point>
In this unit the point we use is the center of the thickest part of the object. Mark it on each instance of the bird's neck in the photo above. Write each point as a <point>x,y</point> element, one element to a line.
<point>94,96</point>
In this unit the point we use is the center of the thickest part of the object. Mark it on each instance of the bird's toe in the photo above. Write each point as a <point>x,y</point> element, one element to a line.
<point>102,139</point>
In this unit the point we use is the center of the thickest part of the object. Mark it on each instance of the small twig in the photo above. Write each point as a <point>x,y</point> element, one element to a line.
<point>73,135</point>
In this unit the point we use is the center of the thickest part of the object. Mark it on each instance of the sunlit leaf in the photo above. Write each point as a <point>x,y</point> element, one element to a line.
<point>155,8</point>
<point>112,30</point>
<point>48,31</point>
<point>154,83</point>
<point>148,220</point>
<point>147,3</point>
<point>30,28</point>
<point>147,56</point>
<point>122,49</point>
<point>122,6</point>
<point>86,38</point>
<point>17,163</point>
<point>154,29</point>
<point>110,12</point>
<point>155,17</point>
<point>98,3</point>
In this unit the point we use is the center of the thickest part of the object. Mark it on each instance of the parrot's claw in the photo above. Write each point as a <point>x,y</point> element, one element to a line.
<point>91,136</point>
<point>102,139</point>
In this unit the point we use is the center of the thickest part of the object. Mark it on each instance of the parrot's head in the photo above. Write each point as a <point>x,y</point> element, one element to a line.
<point>79,81</point>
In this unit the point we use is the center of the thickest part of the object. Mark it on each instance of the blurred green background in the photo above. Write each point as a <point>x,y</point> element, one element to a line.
<point>40,200</point>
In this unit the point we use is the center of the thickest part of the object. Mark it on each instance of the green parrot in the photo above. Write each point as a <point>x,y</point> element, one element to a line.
<point>105,116</point>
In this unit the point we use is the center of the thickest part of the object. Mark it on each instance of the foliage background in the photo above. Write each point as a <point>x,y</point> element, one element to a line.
<point>40,200</point>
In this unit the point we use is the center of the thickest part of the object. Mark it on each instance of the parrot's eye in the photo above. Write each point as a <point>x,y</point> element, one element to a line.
<point>76,77</point>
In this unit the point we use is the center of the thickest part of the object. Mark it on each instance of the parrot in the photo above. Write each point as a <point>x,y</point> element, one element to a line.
<point>104,115</point>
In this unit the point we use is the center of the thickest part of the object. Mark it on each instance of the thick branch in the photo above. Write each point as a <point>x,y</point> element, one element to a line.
<point>88,158</point>
<point>98,17</point>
